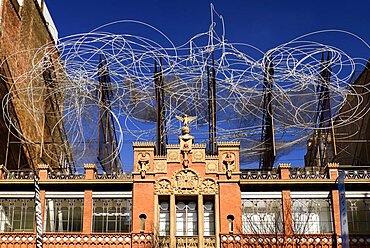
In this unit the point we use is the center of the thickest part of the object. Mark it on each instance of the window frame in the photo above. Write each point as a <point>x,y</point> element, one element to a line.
<point>109,209</point>
<point>27,206</point>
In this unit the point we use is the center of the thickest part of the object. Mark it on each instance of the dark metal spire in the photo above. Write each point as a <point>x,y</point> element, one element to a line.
<point>268,155</point>
<point>161,115</point>
<point>212,106</point>
<point>108,155</point>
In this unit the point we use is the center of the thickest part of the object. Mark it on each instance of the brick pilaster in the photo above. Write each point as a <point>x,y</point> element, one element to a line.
<point>88,208</point>
<point>90,170</point>
<point>43,171</point>
<point>284,171</point>
<point>287,212</point>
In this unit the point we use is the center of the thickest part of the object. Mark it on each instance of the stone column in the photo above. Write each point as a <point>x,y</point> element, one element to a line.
<point>172,221</point>
<point>200,221</point>
<point>156,215</point>
<point>217,221</point>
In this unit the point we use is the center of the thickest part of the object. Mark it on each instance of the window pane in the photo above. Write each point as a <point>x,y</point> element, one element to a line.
<point>262,216</point>
<point>17,215</point>
<point>186,218</point>
<point>358,215</point>
<point>180,224</point>
<point>209,219</point>
<point>112,215</point>
<point>312,216</point>
<point>164,219</point>
<point>63,215</point>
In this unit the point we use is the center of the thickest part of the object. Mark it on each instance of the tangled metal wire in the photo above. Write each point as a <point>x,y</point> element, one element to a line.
<point>74,67</point>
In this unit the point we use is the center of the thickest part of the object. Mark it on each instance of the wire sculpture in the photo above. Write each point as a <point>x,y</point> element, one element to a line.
<point>67,73</point>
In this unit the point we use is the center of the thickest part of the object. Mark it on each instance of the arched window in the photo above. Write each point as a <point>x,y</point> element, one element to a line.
<point>230,219</point>
<point>142,222</point>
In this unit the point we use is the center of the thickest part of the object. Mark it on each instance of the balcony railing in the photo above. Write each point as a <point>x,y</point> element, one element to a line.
<point>187,242</point>
<point>304,173</point>
<point>27,240</point>
<point>145,240</point>
<point>61,175</point>
<point>277,240</point>
<point>298,240</point>
<point>114,175</point>
<point>257,174</point>
<point>18,174</point>
<point>356,174</point>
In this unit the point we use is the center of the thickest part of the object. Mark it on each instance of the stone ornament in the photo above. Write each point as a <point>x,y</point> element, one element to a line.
<point>163,186</point>
<point>173,156</point>
<point>143,163</point>
<point>198,155</point>
<point>160,166</point>
<point>186,140</point>
<point>228,161</point>
<point>186,119</point>
<point>208,186</point>
<point>185,182</point>
<point>211,166</point>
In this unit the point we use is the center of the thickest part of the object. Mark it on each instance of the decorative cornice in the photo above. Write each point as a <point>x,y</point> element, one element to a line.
<point>143,144</point>
<point>160,157</point>
<point>43,167</point>
<point>199,146</point>
<point>332,165</point>
<point>284,166</point>
<point>90,166</point>
<point>211,157</point>
<point>172,146</point>
<point>228,144</point>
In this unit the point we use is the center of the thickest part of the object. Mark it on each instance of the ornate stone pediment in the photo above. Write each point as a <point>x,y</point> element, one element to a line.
<point>163,186</point>
<point>186,182</point>
<point>208,186</point>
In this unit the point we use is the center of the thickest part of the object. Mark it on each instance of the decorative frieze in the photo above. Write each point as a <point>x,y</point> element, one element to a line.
<point>185,182</point>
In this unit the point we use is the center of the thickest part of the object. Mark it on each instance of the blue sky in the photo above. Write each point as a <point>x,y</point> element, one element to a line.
<point>262,23</point>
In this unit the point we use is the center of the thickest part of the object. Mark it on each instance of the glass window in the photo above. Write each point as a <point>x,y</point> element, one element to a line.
<point>186,219</point>
<point>17,215</point>
<point>262,216</point>
<point>164,219</point>
<point>63,215</point>
<point>358,215</point>
<point>312,216</point>
<point>112,215</point>
<point>209,219</point>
